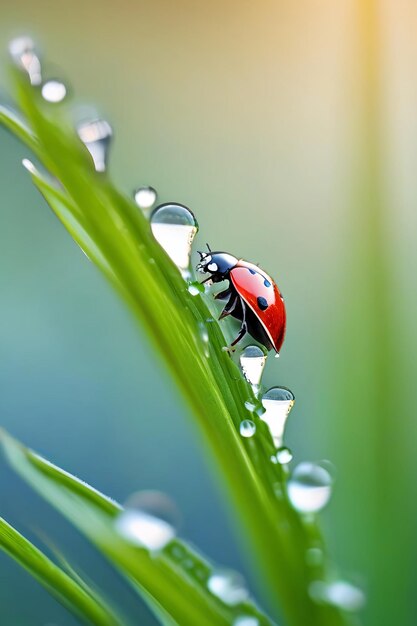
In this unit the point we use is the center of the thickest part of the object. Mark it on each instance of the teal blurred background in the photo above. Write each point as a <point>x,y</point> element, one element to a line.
<point>290,129</point>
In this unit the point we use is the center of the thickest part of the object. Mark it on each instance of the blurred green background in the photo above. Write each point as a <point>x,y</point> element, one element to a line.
<point>290,129</point>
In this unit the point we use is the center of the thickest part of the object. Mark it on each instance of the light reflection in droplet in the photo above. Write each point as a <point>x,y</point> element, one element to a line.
<point>339,593</point>
<point>309,488</point>
<point>145,197</point>
<point>252,362</point>
<point>23,52</point>
<point>149,520</point>
<point>228,586</point>
<point>247,428</point>
<point>54,91</point>
<point>277,403</point>
<point>174,226</point>
<point>96,136</point>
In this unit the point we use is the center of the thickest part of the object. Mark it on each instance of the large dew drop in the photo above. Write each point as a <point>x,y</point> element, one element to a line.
<point>23,52</point>
<point>174,226</point>
<point>252,362</point>
<point>54,91</point>
<point>149,520</point>
<point>145,197</point>
<point>277,403</point>
<point>96,136</point>
<point>228,586</point>
<point>339,593</point>
<point>310,487</point>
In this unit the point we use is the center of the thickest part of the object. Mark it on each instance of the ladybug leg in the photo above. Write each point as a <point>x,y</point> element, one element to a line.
<point>243,329</point>
<point>222,295</point>
<point>230,306</point>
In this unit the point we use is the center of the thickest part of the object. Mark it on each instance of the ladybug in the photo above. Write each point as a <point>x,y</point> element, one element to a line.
<point>252,297</point>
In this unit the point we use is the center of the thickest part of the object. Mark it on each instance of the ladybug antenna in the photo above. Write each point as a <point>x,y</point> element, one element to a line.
<point>208,247</point>
<point>202,254</point>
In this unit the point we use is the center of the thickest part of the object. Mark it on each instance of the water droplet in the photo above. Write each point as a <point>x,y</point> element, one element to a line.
<point>309,487</point>
<point>228,586</point>
<point>274,459</point>
<point>96,136</point>
<point>314,557</point>
<point>145,197</point>
<point>23,52</point>
<point>339,593</point>
<point>54,91</point>
<point>195,288</point>
<point>27,164</point>
<point>174,227</point>
<point>284,456</point>
<point>247,428</point>
<point>246,620</point>
<point>277,403</point>
<point>149,520</point>
<point>252,362</point>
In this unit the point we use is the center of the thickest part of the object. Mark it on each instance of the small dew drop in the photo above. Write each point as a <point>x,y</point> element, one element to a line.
<point>195,288</point>
<point>284,456</point>
<point>246,620</point>
<point>96,136</point>
<point>339,593</point>
<point>27,164</point>
<point>228,586</point>
<point>277,403</point>
<point>23,52</point>
<point>145,197</point>
<point>149,520</point>
<point>247,428</point>
<point>309,488</point>
<point>314,557</point>
<point>174,226</point>
<point>274,459</point>
<point>252,362</point>
<point>54,91</point>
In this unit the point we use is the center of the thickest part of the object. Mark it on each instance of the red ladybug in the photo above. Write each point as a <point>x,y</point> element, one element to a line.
<point>253,297</point>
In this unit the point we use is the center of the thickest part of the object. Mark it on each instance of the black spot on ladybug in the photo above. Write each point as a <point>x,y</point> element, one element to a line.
<point>262,303</point>
<point>252,271</point>
<point>267,283</point>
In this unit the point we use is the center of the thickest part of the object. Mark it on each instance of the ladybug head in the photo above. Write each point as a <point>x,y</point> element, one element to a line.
<point>218,264</point>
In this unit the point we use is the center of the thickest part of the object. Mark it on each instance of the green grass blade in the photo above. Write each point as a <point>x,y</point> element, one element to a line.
<point>210,381</point>
<point>175,591</point>
<point>79,599</point>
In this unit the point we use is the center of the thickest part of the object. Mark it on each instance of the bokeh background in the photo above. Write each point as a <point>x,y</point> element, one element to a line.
<point>290,129</point>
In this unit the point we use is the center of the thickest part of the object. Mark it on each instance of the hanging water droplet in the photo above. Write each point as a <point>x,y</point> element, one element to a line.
<point>96,136</point>
<point>246,620</point>
<point>309,488</point>
<point>252,362</point>
<point>228,586</point>
<point>277,403</point>
<point>145,197</point>
<point>174,227</point>
<point>54,91</point>
<point>284,456</point>
<point>195,288</point>
<point>23,52</point>
<point>149,520</point>
<point>339,593</point>
<point>247,428</point>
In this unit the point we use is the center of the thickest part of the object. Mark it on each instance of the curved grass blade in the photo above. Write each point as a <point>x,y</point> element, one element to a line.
<point>208,378</point>
<point>79,599</point>
<point>178,591</point>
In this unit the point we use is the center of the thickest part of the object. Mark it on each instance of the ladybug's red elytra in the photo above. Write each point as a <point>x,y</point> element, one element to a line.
<point>252,297</point>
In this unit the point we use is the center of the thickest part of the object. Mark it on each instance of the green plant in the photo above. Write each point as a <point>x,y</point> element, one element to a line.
<point>117,237</point>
